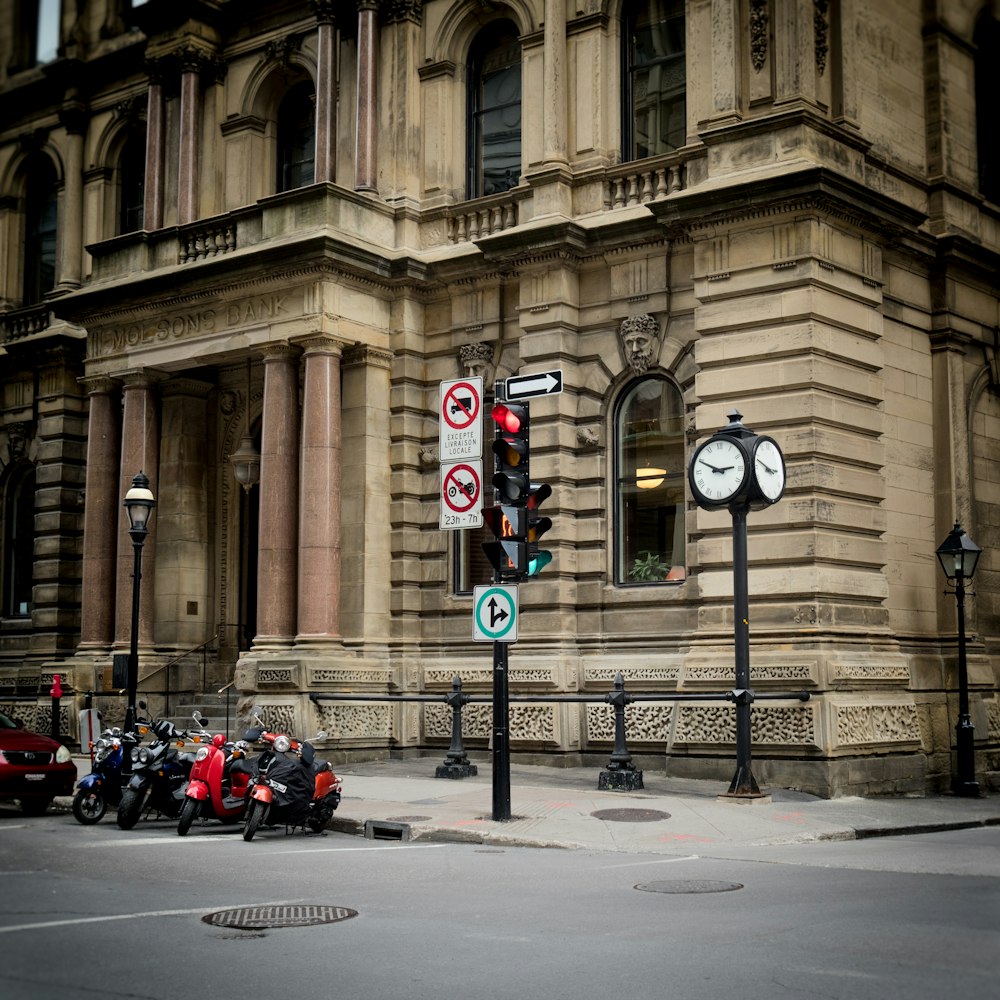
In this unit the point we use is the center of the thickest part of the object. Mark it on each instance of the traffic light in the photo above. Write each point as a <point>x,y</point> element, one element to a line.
<point>510,447</point>
<point>538,558</point>
<point>508,555</point>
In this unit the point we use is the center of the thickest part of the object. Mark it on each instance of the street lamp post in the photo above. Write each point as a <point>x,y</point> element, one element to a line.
<point>138,504</point>
<point>958,555</point>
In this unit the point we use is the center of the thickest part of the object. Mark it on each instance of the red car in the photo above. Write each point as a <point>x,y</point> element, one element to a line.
<point>33,768</point>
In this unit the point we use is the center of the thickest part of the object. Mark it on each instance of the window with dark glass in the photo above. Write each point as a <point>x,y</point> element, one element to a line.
<point>649,480</point>
<point>19,543</point>
<point>494,154</point>
<point>40,214</point>
<point>987,43</point>
<point>297,138</point>
<point>132,183</point>
<point>654,116</point>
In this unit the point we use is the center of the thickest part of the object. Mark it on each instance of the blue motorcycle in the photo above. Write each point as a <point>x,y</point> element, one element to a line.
<point>103,786</point>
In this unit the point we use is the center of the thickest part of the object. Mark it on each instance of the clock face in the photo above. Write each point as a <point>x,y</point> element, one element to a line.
<point>718,472</point>
<point>769,469</point>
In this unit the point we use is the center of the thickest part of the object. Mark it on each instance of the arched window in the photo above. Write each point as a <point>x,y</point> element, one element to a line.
<point>19,543</point>
<point>494,153</point>
<point>297,137</point>
<point>654,115</point>
<point>649,484</point>
<point>131,183</point>
<point>40,213</point>
<point>987,41</point>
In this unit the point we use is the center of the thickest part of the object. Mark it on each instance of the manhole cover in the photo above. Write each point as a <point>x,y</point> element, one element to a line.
<point>259,917</point>
<point>689,886</point>
<point>407,819</point>
<point>630,815</point>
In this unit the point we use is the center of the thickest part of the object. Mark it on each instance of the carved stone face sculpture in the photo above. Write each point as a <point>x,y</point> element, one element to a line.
<point>477,359</point>
<point>639,335</point>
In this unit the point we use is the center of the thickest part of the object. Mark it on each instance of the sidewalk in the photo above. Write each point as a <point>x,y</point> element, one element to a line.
<point>556,807</point>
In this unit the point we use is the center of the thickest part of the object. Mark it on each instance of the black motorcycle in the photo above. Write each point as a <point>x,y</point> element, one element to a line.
<point>288,785</point>
<point>159,776</point>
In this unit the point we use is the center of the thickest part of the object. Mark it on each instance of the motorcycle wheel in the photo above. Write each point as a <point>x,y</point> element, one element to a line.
<point>255,816</point>
<point>188,812</point>
<point>320,819</point>
<point>130,807</point>
<point>89,806</point>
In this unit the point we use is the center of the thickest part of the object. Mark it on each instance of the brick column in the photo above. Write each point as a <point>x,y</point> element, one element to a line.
<point>152,207</point>
<point>319,492</point>
<point>140,453</point>
<point>326,92</point>
<point>279,499</point>
<point>100,515</point>
<point>365,157</point>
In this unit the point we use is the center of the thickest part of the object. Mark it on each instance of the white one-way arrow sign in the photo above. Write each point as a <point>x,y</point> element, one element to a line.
<point>538,384</point>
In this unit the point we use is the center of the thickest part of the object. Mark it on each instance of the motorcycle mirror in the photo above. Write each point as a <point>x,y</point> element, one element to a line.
<point>252,735</point>
<point>321,735</point>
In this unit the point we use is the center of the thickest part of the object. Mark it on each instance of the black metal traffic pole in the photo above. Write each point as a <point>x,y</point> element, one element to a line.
<point>743,784</point>
<point>964,783</point>
<point>501,734</point>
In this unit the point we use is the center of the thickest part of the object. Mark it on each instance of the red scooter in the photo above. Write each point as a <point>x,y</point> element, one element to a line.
<point>216,789</point>
<point>291,786</point>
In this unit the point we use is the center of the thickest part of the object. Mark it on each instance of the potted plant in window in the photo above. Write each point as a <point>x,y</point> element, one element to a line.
<point>648,567</point>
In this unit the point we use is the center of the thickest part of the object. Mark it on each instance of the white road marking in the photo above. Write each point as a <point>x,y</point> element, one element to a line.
<point>13,928</point>
<point>659,861</point>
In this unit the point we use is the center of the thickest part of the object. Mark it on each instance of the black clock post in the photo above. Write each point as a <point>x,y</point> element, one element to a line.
<point>752,481</point>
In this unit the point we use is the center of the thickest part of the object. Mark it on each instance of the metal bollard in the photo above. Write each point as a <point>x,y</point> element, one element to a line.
<point>621,774</point>
<point>456,763</point>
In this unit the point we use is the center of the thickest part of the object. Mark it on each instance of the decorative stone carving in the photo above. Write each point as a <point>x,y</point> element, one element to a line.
<point>281,49</point>
<point>279,718</point>
<point>656,675</point>
<point>758,33</point>
<point>588,437</point>
<point>356,720</point>
<point>773,725</point>
<point>528,723</point>
<point>647,722</point>
<point>993,719</point>
<point>822,30</point>
<point>640,336</point>
<point>858,725</point>
<point>276,675</point>
<point>872,673</point>
<point>345,675</point>
<point>477,359</point>
<point>402,10</point>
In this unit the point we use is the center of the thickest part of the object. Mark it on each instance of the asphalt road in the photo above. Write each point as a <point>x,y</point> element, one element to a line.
<point>95,911</point>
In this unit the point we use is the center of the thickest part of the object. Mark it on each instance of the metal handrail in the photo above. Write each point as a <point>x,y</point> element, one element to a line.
<point>165,667</point>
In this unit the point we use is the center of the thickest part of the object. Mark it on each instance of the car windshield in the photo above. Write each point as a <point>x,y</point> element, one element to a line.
<point>7,723</point>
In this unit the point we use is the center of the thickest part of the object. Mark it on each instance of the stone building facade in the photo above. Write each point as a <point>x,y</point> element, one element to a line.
<point>230,226</point>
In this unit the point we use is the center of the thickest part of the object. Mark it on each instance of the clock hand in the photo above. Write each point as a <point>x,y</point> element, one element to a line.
<point>714,468</point>
<point>767,468</point>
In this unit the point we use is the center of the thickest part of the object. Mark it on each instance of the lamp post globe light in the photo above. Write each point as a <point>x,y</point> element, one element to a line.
<point>138,503</point>
<point>958,555</point>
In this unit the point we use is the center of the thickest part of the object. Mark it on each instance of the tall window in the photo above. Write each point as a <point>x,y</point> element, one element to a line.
<point>654,115</point>
<point>297,137</point>
<point>19,543</point>
<point>131,183</point>
<point>494,154</point>
<point>649,470</point>
<point>987,41</point>
<point>40,211</point>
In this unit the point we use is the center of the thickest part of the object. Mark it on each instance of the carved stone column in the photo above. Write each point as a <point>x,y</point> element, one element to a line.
<point>319,492</point>
<point>140,453</point>
<point>365,158</point>
<point>187,168</point>
<point>326,92</point>
<point>74,120</point>
<point>100,515</point>
<point>554,106</point>
<point>279,499</point>
<point>152,208</point>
